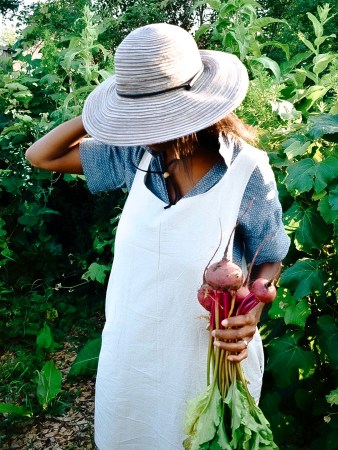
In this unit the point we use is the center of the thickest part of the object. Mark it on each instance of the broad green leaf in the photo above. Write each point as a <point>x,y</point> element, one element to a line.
<point>318,27</point>
<point>312,231</point>
<point>264,21</point>
<point>209,420</point>
<point>332,398</point>
<point>328,337</point>
<point>326,210</point>
<point>308,226</point>
<point>44,338</point>
<point>297,313</point>
<point>87,359</point>
<point>215,4</point>
<point>322,61</point>
<point>202,30</point>
<point>287,360</point>
<point>333,199</point>
<point>49,383</point>
<point>306,174</point>
<point>283,299</point>
<point>10,408</point>
<point>287,66</point>
<point>296,149</point>
<point>284,47</point>
<point>323,124</point>
<point>249,427</point>
<point>304,277</point>
<point>307,42</point>
<point>269,63</point>
<point>96,272</point>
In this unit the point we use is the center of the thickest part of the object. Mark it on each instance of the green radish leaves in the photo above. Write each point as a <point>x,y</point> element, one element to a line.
<point>49,384</point>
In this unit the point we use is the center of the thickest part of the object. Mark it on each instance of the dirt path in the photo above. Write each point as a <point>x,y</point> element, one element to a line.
<point>70,431</point>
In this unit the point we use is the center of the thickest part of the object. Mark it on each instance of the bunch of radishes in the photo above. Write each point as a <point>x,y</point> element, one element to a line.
<point>224,284</point>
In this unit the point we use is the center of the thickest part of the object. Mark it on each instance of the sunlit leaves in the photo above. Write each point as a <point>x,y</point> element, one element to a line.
<point>310,229</point>
<point>305,277</point>
<point>96,272</point>
<point>309,174</point>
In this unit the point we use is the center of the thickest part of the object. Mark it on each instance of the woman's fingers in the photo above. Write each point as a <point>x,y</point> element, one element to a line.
<point>236,336</point>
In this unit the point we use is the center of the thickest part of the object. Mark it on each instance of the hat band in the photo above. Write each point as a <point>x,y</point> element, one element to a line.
<point>187,85</point>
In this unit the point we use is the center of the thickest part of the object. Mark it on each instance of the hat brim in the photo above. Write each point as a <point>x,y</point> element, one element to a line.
<point>117,120</point>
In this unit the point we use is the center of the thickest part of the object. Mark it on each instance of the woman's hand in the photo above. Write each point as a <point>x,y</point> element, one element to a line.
<point>238,333</point>
<point>239,330</point>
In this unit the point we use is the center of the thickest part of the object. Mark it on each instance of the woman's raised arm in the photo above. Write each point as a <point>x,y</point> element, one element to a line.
<point>58,150</point>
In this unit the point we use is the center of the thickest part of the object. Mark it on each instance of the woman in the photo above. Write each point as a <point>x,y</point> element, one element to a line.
<point>163,126</point>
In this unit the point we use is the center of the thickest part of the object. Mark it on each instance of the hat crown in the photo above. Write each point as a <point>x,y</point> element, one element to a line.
<point>155,58</point>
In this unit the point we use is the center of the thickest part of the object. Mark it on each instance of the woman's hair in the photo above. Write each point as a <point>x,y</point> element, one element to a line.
<point>208,137</point>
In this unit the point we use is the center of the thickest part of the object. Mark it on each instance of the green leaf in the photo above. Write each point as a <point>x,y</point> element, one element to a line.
<point>326,210</point>
<point>10,408</point>
<point>306,174</point>
<point>202,418</point>
<point>318,27</point>
<point>307,43</point>
<point>49,384</point>
<point>249,427</point>
<point>333,198</point>
<point>264,21</point>
<point>297,148</point>
<point>304,277</point>
<point>296,313</point>
<point>323,124</point>
<point>332,398</point>
<point>321,62</point>
<point>215,4</point>
<point>328,337</point>
<point>44,338</point>
<point>96,272</point>
<point>269,63</point>
<point>87,359</point>
<point>309,227</point>
<point>204,28</point>
<point>287,360</point>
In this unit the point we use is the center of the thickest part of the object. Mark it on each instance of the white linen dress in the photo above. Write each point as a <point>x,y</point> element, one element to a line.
<point>154,349</point>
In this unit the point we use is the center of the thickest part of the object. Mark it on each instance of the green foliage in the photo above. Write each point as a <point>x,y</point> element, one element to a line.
<point>48,384</point>
<point>87,359</point>
<point>45,251</point>
<point>56,240</point>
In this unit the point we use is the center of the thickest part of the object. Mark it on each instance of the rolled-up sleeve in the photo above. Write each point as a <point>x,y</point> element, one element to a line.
<point>108,167</point>
<point>261,226</point>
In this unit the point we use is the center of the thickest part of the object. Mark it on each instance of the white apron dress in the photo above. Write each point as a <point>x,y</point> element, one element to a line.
<point>154,348</point>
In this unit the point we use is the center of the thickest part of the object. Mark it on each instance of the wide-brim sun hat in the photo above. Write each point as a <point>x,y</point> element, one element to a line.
<point>164,88</point>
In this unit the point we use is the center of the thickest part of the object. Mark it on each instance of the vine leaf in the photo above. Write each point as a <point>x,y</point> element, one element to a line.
<point>306,174</point>
<point>296,313</point>
<point>288,360</point>
<point>96,272</point>
<point>328,337</point>
<point>326,210</point>
<point>332,398</point>
<point>310,228</point>
<point>303,278</point>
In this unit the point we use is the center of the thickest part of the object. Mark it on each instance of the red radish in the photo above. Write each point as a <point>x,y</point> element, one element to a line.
<point>264,290</point>
<point>224,275</point>
<point>242,293</point>
<point>206,296</point>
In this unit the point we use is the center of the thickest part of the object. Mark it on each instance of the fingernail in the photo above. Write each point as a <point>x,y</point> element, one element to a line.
<point>225,323</point>
<point>213,334</point>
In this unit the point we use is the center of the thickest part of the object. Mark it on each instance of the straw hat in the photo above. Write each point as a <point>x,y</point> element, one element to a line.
<point>163,88</point>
